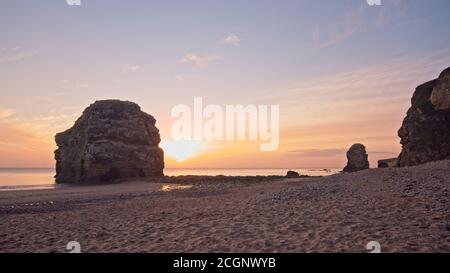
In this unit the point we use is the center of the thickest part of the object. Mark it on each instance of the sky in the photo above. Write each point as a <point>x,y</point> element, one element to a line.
<point>342,72</point>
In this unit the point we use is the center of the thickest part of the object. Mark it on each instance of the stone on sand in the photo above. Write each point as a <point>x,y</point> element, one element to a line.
<point>357,159</point>
<point>292,174</point>
<point>112,140</point>
<point>388,163</point>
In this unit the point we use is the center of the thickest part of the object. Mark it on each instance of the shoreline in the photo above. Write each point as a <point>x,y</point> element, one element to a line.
<point>405,209</point>
<point>47,181</point>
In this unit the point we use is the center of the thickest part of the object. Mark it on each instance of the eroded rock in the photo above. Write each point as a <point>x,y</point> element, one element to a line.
<point>112,140</point>
<point>292,174</point>
<point>357,158</point>
<point>425,132</point>
<point>440,96</point>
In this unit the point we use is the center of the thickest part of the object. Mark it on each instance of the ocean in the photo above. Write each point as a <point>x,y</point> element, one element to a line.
<point>32,179</point>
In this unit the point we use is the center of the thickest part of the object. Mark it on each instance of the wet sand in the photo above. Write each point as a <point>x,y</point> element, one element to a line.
<point>404,209</point>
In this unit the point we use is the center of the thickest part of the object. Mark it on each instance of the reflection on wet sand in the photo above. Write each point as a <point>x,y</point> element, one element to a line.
<point>173,187</point>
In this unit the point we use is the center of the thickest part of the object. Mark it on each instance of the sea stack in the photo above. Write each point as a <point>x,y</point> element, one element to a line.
<point>112,140</point>
<point>425,132</point>
<point>357,159</point>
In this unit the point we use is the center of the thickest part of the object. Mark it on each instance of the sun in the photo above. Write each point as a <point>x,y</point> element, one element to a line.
<point>181,150</point>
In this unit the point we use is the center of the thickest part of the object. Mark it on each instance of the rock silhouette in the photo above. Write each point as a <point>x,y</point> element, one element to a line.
<point>388,163</point>
<point>425,132</point>
<point>292,174</point>
<point>357,159</point>
<point>112,140</point>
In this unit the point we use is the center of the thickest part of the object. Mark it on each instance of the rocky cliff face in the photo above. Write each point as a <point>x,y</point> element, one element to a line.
<point>112,140</point>
<point>425,132</point>
<point>440,96</point>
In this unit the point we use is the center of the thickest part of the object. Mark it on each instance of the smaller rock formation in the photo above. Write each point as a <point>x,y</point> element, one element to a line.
<point>357,159</point>
<point>388,163</point>
<point>292,174</point>
<point>112,140</point>
<point>425,132</point>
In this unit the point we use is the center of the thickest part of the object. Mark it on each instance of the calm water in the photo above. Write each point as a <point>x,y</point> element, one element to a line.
<point>27,179</point>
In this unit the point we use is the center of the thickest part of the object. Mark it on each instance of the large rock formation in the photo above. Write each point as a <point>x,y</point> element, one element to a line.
<point>357,159</point>
<point>425,132</point>
<point>112,140</point>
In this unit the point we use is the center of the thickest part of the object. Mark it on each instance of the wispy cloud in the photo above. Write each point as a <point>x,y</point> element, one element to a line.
<point>132,68</point>
<point>5,113</point>
<point>23,145</point>
<point>183,78</point>
<point>317,152</point>
<point>361,90</point>
<point>232,39</point>
<point>365,104</point>
<point>68,84</point>
<point>199,60</point>
<point>14,56</point>
<point>358,19</point>
<point>81,85</point>
<point>180,78</point>
<point>55,120</point>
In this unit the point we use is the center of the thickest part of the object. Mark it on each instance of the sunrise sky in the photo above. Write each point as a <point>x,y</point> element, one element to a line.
<point>342,71</point>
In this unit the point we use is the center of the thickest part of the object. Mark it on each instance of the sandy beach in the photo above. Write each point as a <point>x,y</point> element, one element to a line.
<point>404,209</point>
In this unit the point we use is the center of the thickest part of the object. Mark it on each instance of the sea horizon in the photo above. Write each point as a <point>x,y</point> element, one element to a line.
<point>43,178</point>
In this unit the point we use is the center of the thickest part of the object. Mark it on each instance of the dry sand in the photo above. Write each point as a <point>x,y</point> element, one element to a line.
<point>405,210</point>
